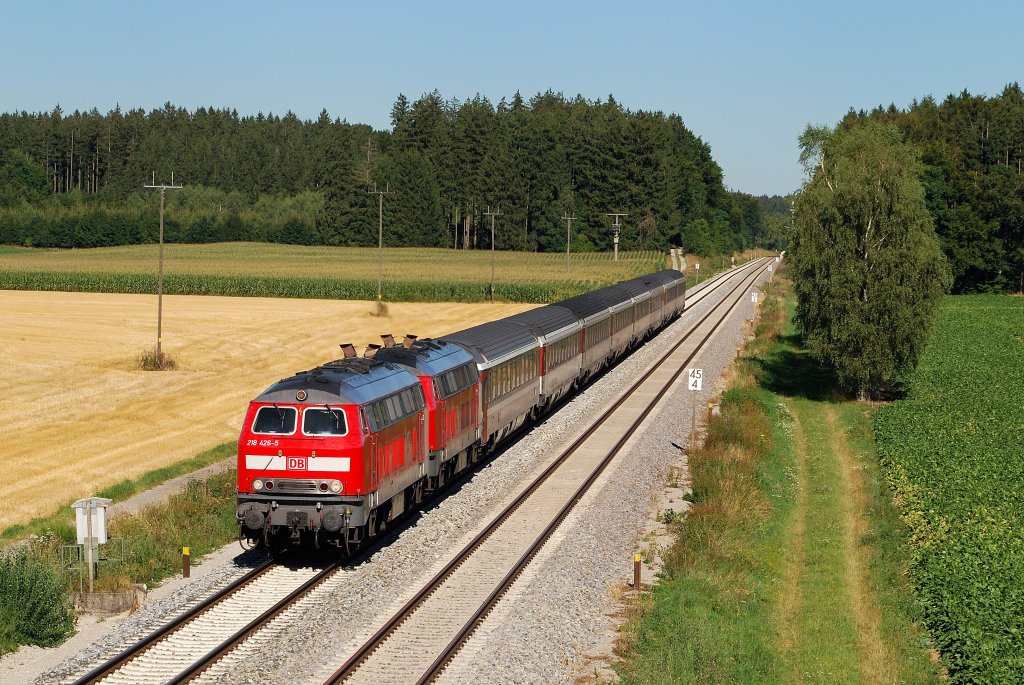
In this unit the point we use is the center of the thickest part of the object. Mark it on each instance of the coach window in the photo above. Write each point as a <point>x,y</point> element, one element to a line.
<point>324,421</point>
<point>275,420</point>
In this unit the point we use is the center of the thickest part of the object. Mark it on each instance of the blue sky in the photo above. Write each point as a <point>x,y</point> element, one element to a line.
<point>745,76</point>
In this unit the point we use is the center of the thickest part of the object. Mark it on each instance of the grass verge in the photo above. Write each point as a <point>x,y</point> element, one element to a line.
<point>62,521</point>
<point>201,517</point>
<point>790,566</point>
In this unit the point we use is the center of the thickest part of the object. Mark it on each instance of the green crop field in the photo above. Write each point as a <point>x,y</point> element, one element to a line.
<point>269,270</point>
<point>953,451</point>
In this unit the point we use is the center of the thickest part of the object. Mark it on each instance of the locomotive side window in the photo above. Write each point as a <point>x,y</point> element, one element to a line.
<point>394,411</point>
<point>389,410</point>
<point>455,381</point>
<point>321,421</point>
<point>275,421</point>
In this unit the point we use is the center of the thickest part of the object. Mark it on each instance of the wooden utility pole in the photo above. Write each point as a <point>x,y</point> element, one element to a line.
<point>380,242</point>
<point>568,237</point>
<point>160,271</point>
<point>493,214</point>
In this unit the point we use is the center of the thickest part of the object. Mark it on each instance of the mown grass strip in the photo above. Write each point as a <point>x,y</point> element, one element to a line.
<point>895,620</point>
<point>756,590</point>
<point>826,647</point>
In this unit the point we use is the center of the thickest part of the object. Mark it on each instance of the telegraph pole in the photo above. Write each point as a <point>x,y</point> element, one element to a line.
<point>160,271</point>
<point>568,234</point>
<point>493,214</point>
<point>380,241</point>
<point>616,227</point>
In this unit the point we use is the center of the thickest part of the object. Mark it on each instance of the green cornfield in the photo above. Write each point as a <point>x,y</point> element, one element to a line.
<point>269,270</point>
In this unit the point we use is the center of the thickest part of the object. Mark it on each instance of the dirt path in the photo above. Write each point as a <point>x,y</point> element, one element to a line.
<point>878,661</point>
<point>830,617</point>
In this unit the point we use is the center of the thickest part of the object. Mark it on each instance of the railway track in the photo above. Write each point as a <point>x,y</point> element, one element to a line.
<point>184,648</point>
<point>202,637</point>
<point>417,642</point>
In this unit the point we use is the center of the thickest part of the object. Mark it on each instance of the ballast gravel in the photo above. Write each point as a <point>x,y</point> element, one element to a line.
<point>556,623</point>
<point>151,617</point>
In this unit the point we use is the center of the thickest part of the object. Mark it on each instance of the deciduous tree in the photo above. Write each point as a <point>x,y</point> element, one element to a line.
<point>868,267</point>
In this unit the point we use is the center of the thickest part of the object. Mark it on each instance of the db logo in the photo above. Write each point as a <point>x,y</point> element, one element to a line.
<point>296,463</point>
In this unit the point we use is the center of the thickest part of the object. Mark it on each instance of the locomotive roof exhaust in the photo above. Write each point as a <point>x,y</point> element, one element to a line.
<point>371,351</point>
<point>409,340</point>
<point>389,340</point>
<point>348,349</point>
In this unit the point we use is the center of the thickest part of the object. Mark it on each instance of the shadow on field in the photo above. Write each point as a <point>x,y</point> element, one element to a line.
<point>791,370</point>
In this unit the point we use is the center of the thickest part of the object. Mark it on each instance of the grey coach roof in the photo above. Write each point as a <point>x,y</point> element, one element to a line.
<point>664,277</point>
<point>587,304</point>
<point>634,288</point>
<point>546,320</point>
<point>493,341</point>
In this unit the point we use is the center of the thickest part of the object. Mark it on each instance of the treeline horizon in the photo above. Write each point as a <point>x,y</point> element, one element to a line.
<point>972,149</point>
<point>76,180</point>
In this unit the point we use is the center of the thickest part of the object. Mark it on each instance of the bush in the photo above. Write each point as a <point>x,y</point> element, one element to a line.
<point>35,605</point>
<point>151,361</point>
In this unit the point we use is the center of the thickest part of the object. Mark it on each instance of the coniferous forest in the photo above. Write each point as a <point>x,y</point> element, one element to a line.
<point>972,148</point>
<point>75,180</point>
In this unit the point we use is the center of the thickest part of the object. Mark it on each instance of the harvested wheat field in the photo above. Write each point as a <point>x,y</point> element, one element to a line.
<point>78,414</point>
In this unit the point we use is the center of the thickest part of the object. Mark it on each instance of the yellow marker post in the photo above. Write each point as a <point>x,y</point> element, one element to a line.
<point>636,571</point>
<point>186,562</point>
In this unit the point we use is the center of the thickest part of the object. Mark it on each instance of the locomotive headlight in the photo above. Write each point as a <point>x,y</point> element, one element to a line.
<point>335,486</point>
<point>257,484</point>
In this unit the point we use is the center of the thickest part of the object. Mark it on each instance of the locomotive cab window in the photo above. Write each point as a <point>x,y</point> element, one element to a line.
<point>324,421</point>
<point>275,420</point>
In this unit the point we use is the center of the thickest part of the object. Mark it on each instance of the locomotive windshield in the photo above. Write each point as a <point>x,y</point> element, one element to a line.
<point>275,420</point>
<point>324,421</point>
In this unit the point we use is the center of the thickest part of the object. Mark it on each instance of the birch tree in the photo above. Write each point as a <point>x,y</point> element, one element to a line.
<point>867,263</point>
